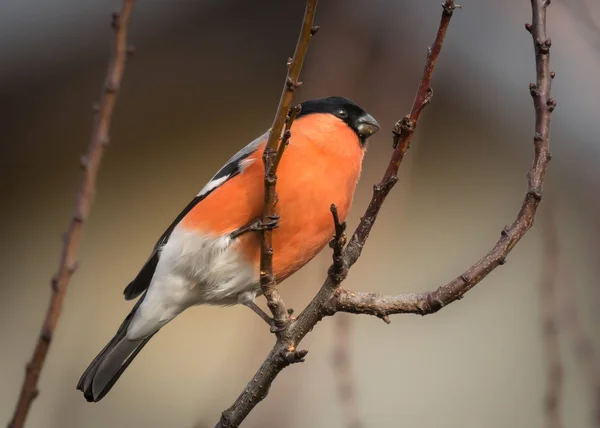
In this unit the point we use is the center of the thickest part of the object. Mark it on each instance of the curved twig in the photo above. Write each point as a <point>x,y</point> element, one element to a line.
<point>427,303</point>
<point>90,164</point>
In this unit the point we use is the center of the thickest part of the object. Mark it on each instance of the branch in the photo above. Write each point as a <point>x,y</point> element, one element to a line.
<point>549,313</point>
<point>90,164</point>
<point>427,303</point>
<point>285,351</point>
<point>271,157</point>
<point>339,267</point>
<point>331,298</point>
<point>403,132</point>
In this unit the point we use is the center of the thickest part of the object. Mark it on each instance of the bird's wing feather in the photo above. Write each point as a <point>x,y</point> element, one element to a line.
<point>231,168</point>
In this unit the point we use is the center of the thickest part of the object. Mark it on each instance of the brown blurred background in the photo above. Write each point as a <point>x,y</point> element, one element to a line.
<point>205,80</point>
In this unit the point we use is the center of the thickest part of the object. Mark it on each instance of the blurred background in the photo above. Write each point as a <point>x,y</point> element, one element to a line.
<point>205,80</point>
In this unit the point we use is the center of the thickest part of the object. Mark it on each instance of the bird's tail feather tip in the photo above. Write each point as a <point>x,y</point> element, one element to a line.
<point>104,371</point>
<point>110,363</point>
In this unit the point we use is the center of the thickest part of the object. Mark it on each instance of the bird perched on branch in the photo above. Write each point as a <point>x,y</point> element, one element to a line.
<point>210,253</point>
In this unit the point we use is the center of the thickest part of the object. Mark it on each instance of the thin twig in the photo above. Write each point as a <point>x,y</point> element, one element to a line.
<point>403,132</point>
<point>90,164</point>
<point>427,303</point>
<point>285,139</point>
<point>271,156</point>
<point>549,314</point>
<point>342,369</point>
<point>337,243</point>
<point>284,351</point>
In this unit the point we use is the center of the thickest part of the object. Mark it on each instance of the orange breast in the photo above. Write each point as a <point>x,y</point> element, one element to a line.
<point>320,166</point>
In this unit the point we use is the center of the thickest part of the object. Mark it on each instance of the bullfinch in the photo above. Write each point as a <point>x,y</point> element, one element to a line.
<point>205,256</point>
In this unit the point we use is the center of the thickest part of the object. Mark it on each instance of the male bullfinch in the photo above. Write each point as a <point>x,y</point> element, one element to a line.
<point>205,256</point>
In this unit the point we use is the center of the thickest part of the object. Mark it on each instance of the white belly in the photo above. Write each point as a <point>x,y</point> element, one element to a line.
<point>193,269</point>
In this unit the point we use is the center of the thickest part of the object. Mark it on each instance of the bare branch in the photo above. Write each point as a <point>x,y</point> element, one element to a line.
<point>339,267</point>
<point>271,157</point>
<point>285,139</point>
<point>293,333</point>
<point>90,164</point>
<point>403,132</point>
<point>549,314</point>
<point>427,303</point>
<point>331,298</point>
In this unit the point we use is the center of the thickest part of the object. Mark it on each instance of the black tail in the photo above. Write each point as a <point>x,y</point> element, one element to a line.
<point>111,362</point>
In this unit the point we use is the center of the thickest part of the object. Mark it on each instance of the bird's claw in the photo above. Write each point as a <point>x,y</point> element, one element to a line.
<point>257,226</point>
<point>271,223</point>
<point>277,326</point>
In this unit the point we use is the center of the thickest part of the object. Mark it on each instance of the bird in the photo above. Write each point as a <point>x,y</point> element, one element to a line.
<point>210,254</point>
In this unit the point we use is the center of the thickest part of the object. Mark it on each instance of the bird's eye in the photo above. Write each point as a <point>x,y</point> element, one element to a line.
<point>342,113</point>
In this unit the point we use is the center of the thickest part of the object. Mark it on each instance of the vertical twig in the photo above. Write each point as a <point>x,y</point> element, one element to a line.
<point>549,313</point>
<point>544,105</point>
<point>90,164</point>
<point>271,159</point>
<point>402,133</point>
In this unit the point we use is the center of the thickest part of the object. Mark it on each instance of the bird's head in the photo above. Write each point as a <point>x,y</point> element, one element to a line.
<point>342,110</point>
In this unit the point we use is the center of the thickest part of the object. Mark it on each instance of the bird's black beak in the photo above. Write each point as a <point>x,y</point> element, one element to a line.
<point>367,126</point>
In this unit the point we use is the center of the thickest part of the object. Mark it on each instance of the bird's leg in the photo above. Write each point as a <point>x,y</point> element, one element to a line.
<point>257,226</point>
<point>269,320</point>
<point>257,310</point>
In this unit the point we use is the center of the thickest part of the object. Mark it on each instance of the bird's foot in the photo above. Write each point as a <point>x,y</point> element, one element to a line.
<point>257,226</point>
<point>276,326</point>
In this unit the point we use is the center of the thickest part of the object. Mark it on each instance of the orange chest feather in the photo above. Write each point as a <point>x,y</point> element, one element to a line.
<point>310,179</point>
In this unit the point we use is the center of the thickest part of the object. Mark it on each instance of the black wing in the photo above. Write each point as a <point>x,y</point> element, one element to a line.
<point>232,167</point>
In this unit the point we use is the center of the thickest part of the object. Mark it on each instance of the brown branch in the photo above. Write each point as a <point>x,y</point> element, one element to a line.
<point>403,132</point>
<point>342,369</point>
<point>427,303</point>
<point>90,164</point>
<point>549,315</point>
<point>285,138</point>
<point>271,157</point>
<point>284,351</point>
<point>339,267</point>
<point>331,298</point>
